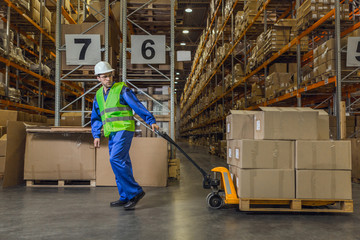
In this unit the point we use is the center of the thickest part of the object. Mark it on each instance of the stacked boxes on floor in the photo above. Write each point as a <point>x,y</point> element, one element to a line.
<point>285,153</point>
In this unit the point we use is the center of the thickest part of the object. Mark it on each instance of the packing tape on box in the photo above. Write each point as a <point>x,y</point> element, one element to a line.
<point>281,184</point>
<point>314,156</point>
<point>275,155</point>
<point>333,156</point>
<point>252,183</point>
<point>312,184</point>
<point>254,154</point>
<point>333,184</point>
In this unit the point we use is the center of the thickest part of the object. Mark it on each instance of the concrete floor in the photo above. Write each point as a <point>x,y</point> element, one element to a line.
<point>176,212</point>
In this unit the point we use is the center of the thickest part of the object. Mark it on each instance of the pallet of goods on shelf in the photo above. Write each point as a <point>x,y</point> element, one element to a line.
<point>312,10</point>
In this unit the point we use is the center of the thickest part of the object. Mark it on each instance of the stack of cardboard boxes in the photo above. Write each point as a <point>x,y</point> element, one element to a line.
<point>324,59</point>
<point>312,10</point>
<point>35,8</point>
<point>282,76</point>
<point>285,153</point>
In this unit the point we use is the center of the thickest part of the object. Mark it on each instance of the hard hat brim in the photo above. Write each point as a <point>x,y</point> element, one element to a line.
<point>106,71</point>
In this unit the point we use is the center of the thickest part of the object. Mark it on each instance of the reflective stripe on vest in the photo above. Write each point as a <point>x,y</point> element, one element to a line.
<point>114,115</point>
<point>115,109</point>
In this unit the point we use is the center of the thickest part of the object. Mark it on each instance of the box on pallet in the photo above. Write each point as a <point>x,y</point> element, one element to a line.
<point>325,155</point>
<point>240,125</point>
<point>323,184</point>
<point>355,157</point>
<point>73,158</point>
<point>262,154</point>
<point>265,183</point>
<point>286,123</point>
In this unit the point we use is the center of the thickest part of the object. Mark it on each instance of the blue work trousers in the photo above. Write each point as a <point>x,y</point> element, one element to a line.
<point>119,146</point>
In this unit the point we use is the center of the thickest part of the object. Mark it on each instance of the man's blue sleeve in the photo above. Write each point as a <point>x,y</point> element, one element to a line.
<point>96,123</point>
<point>130,98</point>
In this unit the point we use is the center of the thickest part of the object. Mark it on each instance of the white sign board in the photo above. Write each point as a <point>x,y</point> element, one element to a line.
<point>353,52</point>
<point>148,49</point>
<point>182,56</point>
<point>82,49</point>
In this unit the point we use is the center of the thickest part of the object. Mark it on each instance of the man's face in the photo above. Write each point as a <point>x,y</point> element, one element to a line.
<point>106,79</point>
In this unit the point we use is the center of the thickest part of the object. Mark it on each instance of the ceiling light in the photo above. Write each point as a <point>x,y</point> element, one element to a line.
<point>177,78</point>
<point>183,44</point>
<point>188,10</point>
<point>185,31</point>
<point>177,73</point>
<point>176,82</point>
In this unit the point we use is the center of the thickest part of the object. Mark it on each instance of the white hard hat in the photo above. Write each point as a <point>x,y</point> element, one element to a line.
<point>102,67</point>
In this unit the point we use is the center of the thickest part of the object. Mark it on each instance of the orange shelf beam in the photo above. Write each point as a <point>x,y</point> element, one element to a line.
<point>24,106</point>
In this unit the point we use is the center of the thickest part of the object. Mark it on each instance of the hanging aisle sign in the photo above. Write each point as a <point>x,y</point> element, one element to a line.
<point>82,49</point>
<point>353,52</point>
<point>148,49</point>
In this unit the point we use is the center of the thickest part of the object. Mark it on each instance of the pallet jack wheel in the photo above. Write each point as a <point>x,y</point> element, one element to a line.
<point>214,201</point>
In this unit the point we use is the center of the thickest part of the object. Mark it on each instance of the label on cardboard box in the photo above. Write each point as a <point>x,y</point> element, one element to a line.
<point>257,125</point>
<point>229,153</point>
<point>228,127</point>
<point>237,153</point>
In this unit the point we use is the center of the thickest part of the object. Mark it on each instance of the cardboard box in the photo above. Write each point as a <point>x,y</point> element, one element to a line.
<point>240,125</point>
<point>2,165</point>
<point>263,154</point>
<point>278,68</point>
<point>324,155</point>
<point>9,115</point>
<point>2,130</point>
<point>59,156</point>
<point>286,123</point>
<point>150,165</point>
<point>323,125</point>
<point>323,184</point>
<point>3,147</point>
<point>265,183</point>
<point>355,158</point>
<point>71,119</point>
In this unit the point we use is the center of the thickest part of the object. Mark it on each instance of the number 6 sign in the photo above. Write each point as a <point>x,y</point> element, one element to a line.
<point>148,49</point>
<point>82,49</point>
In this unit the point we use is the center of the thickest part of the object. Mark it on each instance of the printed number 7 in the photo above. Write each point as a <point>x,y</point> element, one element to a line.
<point>86,42</point>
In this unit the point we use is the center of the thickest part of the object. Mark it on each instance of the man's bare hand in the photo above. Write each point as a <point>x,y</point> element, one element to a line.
<point>97,142</point>
<point>154,126</point>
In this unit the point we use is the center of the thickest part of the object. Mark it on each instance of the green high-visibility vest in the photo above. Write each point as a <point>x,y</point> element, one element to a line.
<point>114,116</point>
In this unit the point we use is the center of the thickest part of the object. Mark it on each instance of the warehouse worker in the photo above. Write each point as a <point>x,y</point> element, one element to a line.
<point>112,111</point>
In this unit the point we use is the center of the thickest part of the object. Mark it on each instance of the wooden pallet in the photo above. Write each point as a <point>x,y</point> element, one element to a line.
<point>60,183</point>
<point>296,205</point>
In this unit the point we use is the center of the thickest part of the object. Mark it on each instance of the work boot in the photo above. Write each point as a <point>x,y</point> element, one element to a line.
<point>131,204</point>
<point>117,203</point>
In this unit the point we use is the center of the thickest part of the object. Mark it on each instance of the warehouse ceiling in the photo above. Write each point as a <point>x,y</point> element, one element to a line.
<point>195,23</point>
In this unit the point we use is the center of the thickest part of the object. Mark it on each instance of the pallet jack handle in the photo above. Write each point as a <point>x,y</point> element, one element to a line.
<point>206,178</point>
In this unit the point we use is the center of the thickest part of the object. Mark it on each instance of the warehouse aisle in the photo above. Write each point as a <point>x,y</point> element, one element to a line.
<point>176,212</point>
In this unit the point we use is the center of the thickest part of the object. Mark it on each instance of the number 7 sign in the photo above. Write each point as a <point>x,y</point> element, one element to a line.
<point>82,49</point>
<point>353,52</point>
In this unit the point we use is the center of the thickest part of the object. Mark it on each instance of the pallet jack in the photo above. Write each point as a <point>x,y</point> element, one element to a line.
<point>222,190</point>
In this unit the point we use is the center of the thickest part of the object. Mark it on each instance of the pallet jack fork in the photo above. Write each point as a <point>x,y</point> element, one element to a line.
<point>222,190</point>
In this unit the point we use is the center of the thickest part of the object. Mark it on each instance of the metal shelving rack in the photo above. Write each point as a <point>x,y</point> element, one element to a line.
<point>123,60</point>
<point>17,20</point>
<point>189,129</point>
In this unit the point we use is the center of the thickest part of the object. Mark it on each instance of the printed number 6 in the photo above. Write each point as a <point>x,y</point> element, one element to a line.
<point>86,42</point>
<point>144,49</point>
